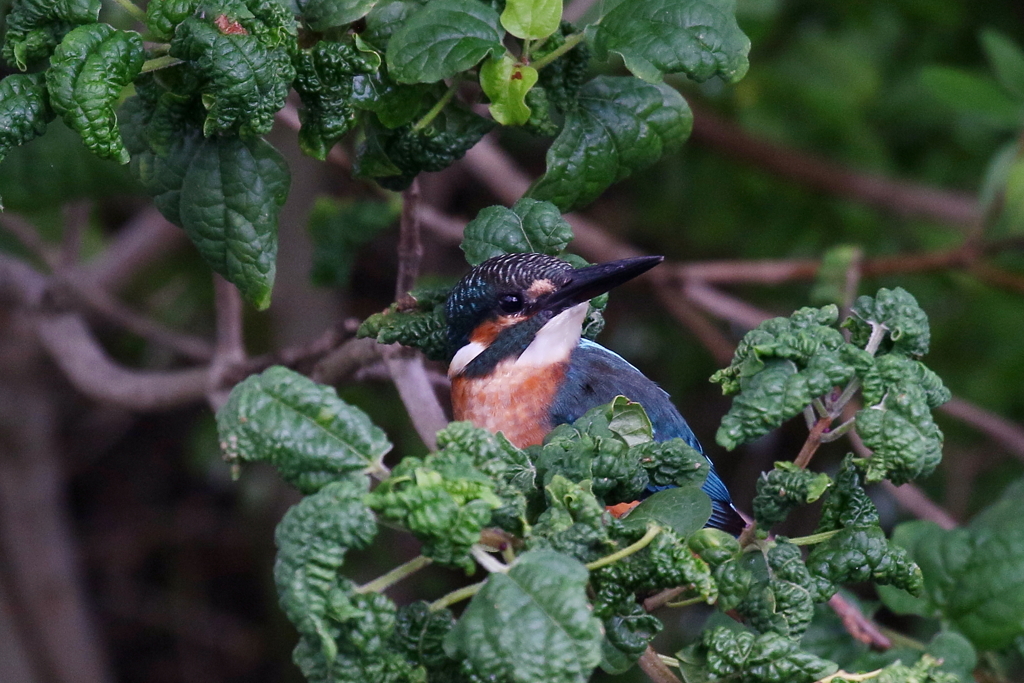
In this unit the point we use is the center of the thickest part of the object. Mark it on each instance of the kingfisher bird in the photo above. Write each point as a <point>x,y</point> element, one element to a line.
<point>519,364</point>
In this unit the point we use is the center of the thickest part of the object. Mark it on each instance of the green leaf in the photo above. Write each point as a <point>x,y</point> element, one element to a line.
<point>531,625</point>
<point>394,104</point>
<point>684,510</point>
<point>529,226</point>
<point>321,15</point>
<point>385,18</point>
<point>242,66</point>
<point>421,326</point>
<point>765,658</point>
<point>1007,61</point>
<point>442,39</point>
<point>324,81</point>
<point>300,427</point>
<point>312,541</point>
<point>338,227</point>
<point>532,19</point>
<point>35,27</point>
<point>697,37</point>
<point>621,125</point>
<point>506,83</point>
<point>906,442</point>
<point>955,653</point>
<point>88,71</point>
<point>673,463</point>
<point>862,554</point>
<point>561,80</point>
<point>24,110</point>
<point>784,489</point>
<point>163,16</point>
<point>896,310</point>
<point>973,94</point>
<point>627,636</point>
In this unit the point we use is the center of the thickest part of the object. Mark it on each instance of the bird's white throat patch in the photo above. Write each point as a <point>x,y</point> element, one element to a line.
<point>552,344</point>
<point>555,341</point>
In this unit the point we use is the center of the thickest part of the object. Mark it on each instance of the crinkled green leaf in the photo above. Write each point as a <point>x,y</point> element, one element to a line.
<point>846,503</point>
<point>747,658</point>
<point>302,428</point>
<point>733,580</point>
<point>575,523</point>
<point>224,191</point>
<point>666,562</point>
<point>385,18</point>
<point>906,442</point>
<point>673,463</point>
<point>531,19</point>
<point>621,125</point>
<point>321,15</point>
<point>443,499</point>
<point>783,489</point>
<point>684,510</point>
<point>421,325</point>
<point>394,157</point>
<point>529,226</point>
<point>87,73</point>
<point>242,66</point>
<point>506,83</point>
<point>35,27</point>
<point>862,554</point>
<point>714,546</point>
<point>441,39</point>
<point>1007,60</point>
<point>24,110</point>
<point>324,81</point>
<point>163,16</point>
<point>533,624</point>
<point>778,606</point>
<point>561,80</point>
<point>627,635</point>
<point>699,38</point>
<point>395,104</point>
<point>338,228</point>
<point>312,540</point>
<point>896,310</point>
<point>419,634</point>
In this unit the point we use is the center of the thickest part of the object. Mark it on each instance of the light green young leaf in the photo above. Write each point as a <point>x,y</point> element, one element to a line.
<point>974,94</point>
<point>621,125</point>
<point>35,27</point>
<point>441,39</point>
<point>321,15</point>
<point>532,19</point>
<point>87,73</point>
<point>529,226</point>
<point>24,110</point>
<point>531,625</point>
<point>300,427</point>
<point>506,84</point>
<point>1006,59</point>
<point>697,37</point>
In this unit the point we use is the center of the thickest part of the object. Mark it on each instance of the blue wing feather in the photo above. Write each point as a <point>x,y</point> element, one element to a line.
<point>596,376</point>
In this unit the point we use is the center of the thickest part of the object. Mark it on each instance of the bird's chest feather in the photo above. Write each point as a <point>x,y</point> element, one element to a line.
<point>512,399</point>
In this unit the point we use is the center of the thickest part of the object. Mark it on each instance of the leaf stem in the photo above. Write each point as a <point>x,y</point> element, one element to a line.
<point>686,603</point>
<point>669,661</point>
<point>847,676</point>
<point>489,563</point>
<point>878,331</point>
<point>844,398</point>
<point>803,458</point>
<point>138,14</point>
<point>652,531</point>
<point>385,581</point>
<point>438,106</point>
<point>160,63</point>
<point>464,593</point>
<point>838,431</point>
<point>571,41</point>
<point>814,538</point>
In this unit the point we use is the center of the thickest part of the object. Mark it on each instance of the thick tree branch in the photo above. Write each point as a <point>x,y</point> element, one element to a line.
<point>1007,434</point>
<point>78,354</point>
<point>147,237</point>
<point>229,349</point>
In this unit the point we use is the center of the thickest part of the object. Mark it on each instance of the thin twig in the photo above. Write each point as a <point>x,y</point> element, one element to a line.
<point>803,458</point>
<point>916,502</point>
<point>145,238</point>
<point>1007,434</point>
<point>76,220</point>
<point>655,669</point>
<point>858,625</point>
<point>26,233</point>
<point>229,349</point>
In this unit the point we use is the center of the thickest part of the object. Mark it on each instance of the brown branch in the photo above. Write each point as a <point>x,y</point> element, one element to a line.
<point>656,670</point>
<point>73,348</point>
<point>813,441</point>
<point>342,363</point>
<point>916,502</point>
<point>894,196</point>
<point>1007,434</point>
<point>147,237</point>
<point>724,306</point>
<point>26,233</point>
<point>76,220</point>
<point>229,349</point>
<point>858,625</point>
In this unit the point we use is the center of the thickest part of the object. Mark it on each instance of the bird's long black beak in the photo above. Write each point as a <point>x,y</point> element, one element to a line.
<point>591,281</point>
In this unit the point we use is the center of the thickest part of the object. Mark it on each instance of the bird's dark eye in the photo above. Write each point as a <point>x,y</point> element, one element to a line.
<point>511,303</point>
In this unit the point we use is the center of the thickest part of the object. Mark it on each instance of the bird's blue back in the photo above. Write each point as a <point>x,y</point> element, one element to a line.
<point>596,376</point>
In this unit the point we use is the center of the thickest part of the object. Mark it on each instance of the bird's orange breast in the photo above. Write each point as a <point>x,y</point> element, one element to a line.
<point>513,400</point>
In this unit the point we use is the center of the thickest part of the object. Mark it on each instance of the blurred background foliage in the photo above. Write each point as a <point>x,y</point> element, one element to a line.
<point>177,557</point>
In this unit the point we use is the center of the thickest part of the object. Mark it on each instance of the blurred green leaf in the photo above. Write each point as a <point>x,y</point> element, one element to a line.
<point>973,94</point>
<point>1007,61</point>
<point>338,227</point>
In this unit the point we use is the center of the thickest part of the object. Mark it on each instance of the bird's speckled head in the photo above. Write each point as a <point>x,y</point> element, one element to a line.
<point>504,289</point>
<point>497,311</point>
